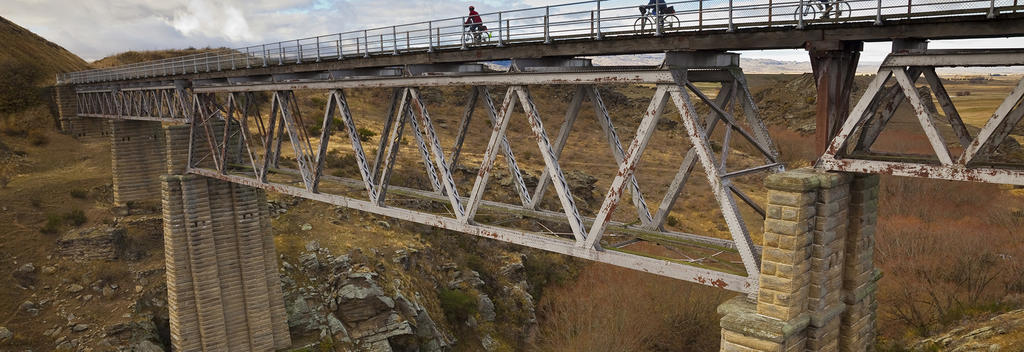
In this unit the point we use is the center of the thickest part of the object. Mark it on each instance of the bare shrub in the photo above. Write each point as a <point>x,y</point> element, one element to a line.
<point>943,258</point>
<point>613,309</point>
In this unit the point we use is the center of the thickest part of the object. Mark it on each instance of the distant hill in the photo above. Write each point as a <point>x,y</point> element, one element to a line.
<point>45,58</point>
<point>131,57</point>
<point>28,66</point>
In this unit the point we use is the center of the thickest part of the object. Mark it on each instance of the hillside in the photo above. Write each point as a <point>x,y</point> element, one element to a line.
<point>28,66</point>
<point>45,58</point>
<point>131,57</point>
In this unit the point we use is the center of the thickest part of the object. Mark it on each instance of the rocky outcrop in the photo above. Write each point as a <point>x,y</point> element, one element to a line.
<point>346,304</point>
<point>999,333</point>
<point>101,242</point>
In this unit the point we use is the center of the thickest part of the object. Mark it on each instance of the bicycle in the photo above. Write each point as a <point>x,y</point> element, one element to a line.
<point>477,37</point>
<point>646,23</point>
<point>835,10</point>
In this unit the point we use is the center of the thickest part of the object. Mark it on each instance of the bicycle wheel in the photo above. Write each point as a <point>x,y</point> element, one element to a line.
<point>807,12</point>
<point>640,26</point>
<point>843,10</point>
<point>670,22</point>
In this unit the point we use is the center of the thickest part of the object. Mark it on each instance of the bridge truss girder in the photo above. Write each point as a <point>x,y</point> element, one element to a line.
<point>221,151</point>
<point>163,103</point>
<point>851,149</point>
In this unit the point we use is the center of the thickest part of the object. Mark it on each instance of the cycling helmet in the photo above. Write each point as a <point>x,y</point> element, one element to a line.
<point>471,7</point>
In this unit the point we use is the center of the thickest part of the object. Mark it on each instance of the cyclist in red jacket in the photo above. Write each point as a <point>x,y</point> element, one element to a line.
<point>473,22</point>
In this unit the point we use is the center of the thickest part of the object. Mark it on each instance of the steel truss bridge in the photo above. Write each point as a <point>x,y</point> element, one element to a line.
<point>242,106</point>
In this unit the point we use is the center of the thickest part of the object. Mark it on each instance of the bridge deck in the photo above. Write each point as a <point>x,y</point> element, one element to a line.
<point>585,28</point>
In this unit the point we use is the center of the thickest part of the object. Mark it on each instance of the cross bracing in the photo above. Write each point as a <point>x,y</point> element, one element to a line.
<point>259,134</point>
<point>959,154</point>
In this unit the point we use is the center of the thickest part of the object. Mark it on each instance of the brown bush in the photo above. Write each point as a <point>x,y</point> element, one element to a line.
<point>614,309</point>
<point>948,250</point>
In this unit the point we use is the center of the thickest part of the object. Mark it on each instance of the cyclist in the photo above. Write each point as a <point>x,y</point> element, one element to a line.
<point>828,8</point>
<point>658,6</point>
<point>474,23</point>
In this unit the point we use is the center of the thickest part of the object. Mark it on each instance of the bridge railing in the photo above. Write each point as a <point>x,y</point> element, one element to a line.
<point>584,20</point>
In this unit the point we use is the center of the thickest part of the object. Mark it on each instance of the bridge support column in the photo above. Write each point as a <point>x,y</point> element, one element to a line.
<point>67,105</point>
<point>857,332</point>
<point>817,279</point>
<point>86,129</point>
<point>223,288</point>
<point>835,64</point>
<point>137,155</point>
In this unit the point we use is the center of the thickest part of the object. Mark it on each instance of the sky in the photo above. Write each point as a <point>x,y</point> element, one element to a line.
<point>94,29</point>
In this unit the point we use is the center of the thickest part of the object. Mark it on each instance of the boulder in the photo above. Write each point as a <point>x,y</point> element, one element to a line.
<point>486,307</point>
<point>5,334</point>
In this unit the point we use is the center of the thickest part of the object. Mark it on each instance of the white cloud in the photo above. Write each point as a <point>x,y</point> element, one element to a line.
<point>212,20</point>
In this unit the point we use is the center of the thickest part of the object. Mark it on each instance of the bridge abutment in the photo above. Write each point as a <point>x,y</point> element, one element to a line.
<point>137,157</point>
<point>86,129</point>
<point>817,280</point>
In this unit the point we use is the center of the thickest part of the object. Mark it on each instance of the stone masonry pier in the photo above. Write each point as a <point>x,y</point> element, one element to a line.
<point>223,289</point>
<point>817,285</point>
<point>137,155</point>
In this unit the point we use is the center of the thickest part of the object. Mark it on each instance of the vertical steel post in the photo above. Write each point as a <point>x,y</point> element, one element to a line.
<point>700,15</point>
<point>264,55</point>
<point>659,22</point>
<point>366,44</point>
<point>730,17</point>
<point>430,36</point>
<point>547,33</point>
<point>992,9</point>
<point>465,32</point>
<point>341,53</point>
<point>800,17</point>
<point>317,49</point>
<point>280,54</point>
<point>878,14</point>
<point>246,60</point>
<point>599,35</point>
<point>500,43</point>
<point>910,4</point>
<point>394,41</point>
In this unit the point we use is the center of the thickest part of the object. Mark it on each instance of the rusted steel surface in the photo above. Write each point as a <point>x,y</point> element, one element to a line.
<point>263,137</point>
<point>627,166</point>
<point>879,102</point>
<point>675,270</point>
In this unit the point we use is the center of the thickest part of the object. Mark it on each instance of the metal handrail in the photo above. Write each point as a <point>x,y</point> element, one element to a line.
<point>568,21</point>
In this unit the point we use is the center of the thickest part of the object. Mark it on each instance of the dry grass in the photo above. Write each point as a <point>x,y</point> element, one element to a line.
<point>609,308</point>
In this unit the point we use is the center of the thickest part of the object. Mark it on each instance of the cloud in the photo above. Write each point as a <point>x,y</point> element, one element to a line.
<point>212,20</point>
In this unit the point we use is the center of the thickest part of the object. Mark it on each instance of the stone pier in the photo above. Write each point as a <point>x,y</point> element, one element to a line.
<point>137,155</point>
<point>85,129</point>
<point>817,283</point>
<point>223,288</point>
